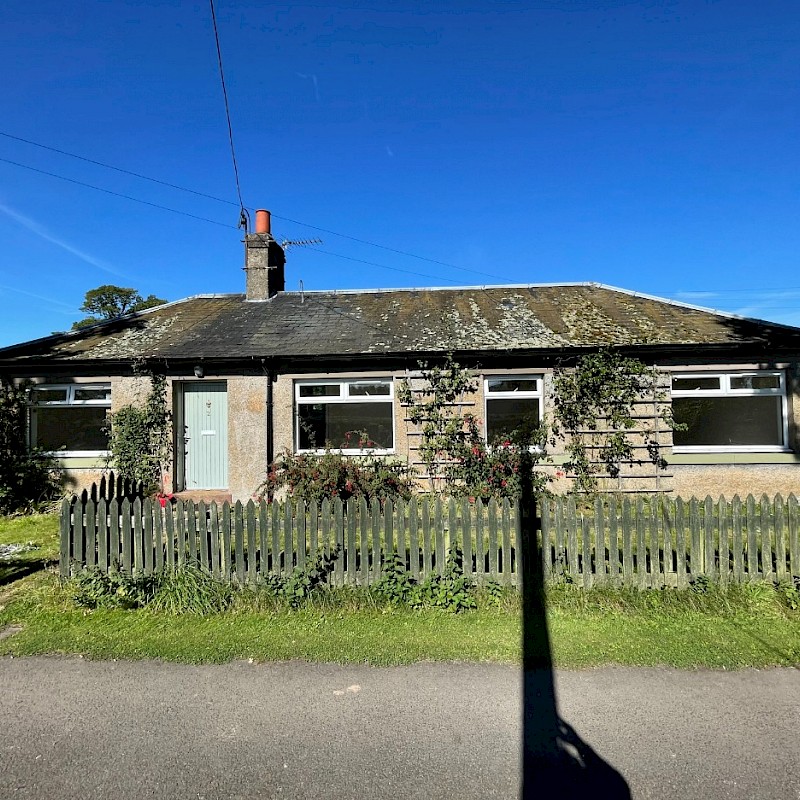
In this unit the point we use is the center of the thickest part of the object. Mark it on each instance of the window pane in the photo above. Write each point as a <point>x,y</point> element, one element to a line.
<point>370,389</point>
<point>755,382</point>
<point>729,421</point>
<point>503,416</point>
<point>50,395</point>
<point>691,384</point>
<point>345,425</point>
<point>320,390</point>
<point>512,384</point>
<point>81,395</point>
<point>71,428</point>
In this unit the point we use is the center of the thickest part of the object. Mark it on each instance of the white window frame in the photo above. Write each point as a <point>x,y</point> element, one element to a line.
<point>538,394</point>
<point>725,390</point>
<point>344,398</point>
<point>69,401</point>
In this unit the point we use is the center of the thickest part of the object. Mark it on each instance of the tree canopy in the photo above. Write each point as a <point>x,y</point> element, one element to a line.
<point>109,302</point>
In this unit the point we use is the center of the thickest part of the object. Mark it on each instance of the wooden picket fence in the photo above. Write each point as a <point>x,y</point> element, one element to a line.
<point>644,542</point>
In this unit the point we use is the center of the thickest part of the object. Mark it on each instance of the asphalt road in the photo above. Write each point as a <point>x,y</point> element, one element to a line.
<point>71,728</point>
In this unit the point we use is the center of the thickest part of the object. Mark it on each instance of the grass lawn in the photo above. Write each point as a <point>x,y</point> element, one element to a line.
<point>746,627</point>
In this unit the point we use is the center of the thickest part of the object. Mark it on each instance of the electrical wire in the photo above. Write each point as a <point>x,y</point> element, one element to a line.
<point>118,169</point>
<point>227,106</point>
<point>115,194</point>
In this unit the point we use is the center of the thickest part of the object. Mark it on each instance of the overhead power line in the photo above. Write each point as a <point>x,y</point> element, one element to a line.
<point>227,109</point>
<point>180,188</point>
<point>115,194</point>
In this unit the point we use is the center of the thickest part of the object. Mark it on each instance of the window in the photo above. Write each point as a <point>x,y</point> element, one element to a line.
<point>70,418</point>
<point>349,415</point>
<point>730,411</point>
<point>512,402</point>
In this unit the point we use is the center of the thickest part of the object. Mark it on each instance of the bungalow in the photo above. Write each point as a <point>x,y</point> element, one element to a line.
<point>253,374</point>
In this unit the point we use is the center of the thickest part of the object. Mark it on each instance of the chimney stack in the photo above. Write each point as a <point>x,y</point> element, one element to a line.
<point>264,260</point>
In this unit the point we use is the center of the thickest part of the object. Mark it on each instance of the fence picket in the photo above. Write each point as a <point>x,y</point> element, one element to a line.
<point>736,526</point>
<point>427,550</point>
<point>752,543</point>
<point>313,531</point>
<point>288,544</point>
<point>127,536</point>
<point>238,538</point>
<point>351,541</point>
<point>66,537</point>
<point>695,558</point>
<point>102,535</point>
<point>709,529</point>
<point>794,535</point>
<point>278,566</point>
<point>90,535</point>
<point>413,538</point>
<point>766,538</point>
<point>147,514</point>
<point>191,532</point>
<point>656,572</point>
<point>363,528</point>
<point>494,568</point>
<point>560,559</point>
<point>263,535</point>
<point>300,532</point>
<point>439,530</point>
<point>377,563</point>
<point>680,544</point>
<point>613,541</point>
<point>226,563</point>
<point>180,524</point>
<point>251,541</point>
<point>169,531</point>
<point>600,560</point>
<point>338,532</point>
<point>780,541</point>
<point>586,562</point>
<point>480,544</point>
<point>466,534</point>
<point>641,545</point>
<point>202,533</point>
<point>547,532</point>
<point>572,539</point>
<point>506,518</point>
<point>667,526</point>
<point>724,545</point>
<point>213,540</point>
<point>452,521</point>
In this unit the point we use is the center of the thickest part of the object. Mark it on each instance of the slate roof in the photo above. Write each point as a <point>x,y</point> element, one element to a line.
<point>401,322</point>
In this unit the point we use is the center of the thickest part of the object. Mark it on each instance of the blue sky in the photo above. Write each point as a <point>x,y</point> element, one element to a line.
<point>651,145</point>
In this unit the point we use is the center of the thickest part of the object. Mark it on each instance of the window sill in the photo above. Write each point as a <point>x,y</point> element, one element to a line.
<point>733,457</point>
<point>349,452</point>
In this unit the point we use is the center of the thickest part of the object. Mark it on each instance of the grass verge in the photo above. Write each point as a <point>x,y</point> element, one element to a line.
<point>744,627</point>
<point>27,544</point>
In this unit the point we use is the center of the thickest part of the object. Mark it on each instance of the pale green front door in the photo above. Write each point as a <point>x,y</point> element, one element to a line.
<point>205,419</point>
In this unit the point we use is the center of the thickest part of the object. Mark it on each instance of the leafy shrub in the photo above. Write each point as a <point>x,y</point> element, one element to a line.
<point>139,438</point>
<point>187,589</point>
<point>396,586</point>
<point>93,588</point>
<point>451,589</point>
<point>331,474</point>
<point>28,477</point>
<point>303,582</point>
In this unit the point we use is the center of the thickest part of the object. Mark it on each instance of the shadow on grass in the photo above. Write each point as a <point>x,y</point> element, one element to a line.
<point>12,569</point>
<point>556,761</point>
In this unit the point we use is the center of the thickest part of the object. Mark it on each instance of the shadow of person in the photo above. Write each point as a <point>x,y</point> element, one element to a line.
<point>556,762</point>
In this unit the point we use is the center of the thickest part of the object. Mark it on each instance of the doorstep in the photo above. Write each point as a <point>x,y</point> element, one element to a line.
<point>218,496</point>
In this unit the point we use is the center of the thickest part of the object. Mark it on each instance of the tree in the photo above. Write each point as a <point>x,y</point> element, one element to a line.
<point>109,302</point>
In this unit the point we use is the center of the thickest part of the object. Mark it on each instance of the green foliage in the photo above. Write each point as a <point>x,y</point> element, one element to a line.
<point>314,477</point>
<point>185,589</point>
<point>594,405</point>
<point>28,477</point>
<point>93,588</point>
<point>109,302</point>
<point>450,590</point>
<point>188,589</point>
<point>139,438</point>
<point>303,582</point>
<point>396,586</point>
<point>453,447</point>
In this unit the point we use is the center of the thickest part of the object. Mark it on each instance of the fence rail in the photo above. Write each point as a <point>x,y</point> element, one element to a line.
<point>644,542</point>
